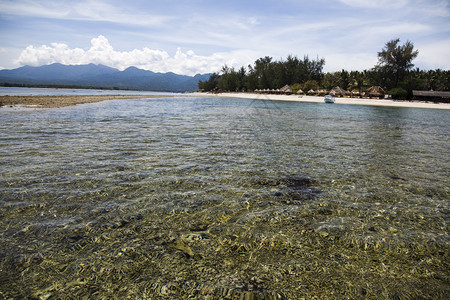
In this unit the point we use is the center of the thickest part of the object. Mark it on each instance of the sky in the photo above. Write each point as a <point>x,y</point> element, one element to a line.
<point>200,36</point>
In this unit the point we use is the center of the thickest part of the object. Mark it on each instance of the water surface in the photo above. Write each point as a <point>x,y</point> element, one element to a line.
<point>224,198</point>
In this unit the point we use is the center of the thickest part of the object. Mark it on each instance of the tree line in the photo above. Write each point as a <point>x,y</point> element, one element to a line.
<point>394,72</point>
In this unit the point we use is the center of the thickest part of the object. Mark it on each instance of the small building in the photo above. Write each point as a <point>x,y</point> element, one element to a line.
<point>338,91</point>
<point>435,96</point>
<point>375,92</point>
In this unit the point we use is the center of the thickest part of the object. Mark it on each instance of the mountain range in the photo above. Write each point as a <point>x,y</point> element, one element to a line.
<point>101,76</point>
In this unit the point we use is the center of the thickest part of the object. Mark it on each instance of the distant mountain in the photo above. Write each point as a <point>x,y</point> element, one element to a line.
<point>101,76</point>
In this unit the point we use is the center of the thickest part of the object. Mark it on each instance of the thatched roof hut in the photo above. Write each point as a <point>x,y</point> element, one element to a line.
<point>311,92</point>
<point>286,89</point>
<point>300,92</point>
<point>436,96</point>
<point>355,92</point>
<point>338,91</point>
<point>322,92</point>
<point>375,91</point>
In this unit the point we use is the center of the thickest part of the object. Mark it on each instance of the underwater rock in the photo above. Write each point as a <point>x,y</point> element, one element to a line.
<point>299,182</point>
<point>298,189</point>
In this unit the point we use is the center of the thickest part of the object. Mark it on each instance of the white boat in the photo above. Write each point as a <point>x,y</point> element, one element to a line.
<point>329,99</point>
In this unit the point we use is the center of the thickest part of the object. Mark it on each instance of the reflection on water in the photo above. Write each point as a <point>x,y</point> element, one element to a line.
<point>224,199</point>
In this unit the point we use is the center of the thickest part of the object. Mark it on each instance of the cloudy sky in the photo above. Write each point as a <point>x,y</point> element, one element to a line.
<point>200,36</point>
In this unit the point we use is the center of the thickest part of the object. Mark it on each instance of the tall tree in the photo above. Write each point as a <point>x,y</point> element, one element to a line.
<point>394,61</point>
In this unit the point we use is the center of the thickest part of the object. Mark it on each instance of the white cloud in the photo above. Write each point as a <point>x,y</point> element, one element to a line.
<point>146,34</point>
<point>87,10</point>
<point>101,11</point>
<point>375,3</point>
<point>350,61</point>
<point>433,55</point>
<point>101,52</point>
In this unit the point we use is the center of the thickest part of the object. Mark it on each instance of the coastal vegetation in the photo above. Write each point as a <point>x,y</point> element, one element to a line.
<point>394,73</point>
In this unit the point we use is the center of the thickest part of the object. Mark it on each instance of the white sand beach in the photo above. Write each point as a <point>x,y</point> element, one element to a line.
<point>318,99</point>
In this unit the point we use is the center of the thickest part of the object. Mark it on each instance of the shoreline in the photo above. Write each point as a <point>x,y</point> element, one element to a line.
<point>63,101</point>
<point>319,99</point>
<point>38,101</point>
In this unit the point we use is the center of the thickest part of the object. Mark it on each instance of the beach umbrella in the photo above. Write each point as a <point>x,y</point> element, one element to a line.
<point>322,92</point>
<point>286,89</point>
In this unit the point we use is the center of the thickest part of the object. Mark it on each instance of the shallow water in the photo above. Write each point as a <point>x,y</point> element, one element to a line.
<point>18,91</point>
<point>224,199</point>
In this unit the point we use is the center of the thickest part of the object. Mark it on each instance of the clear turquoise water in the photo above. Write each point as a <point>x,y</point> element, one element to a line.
<point>224,198</point>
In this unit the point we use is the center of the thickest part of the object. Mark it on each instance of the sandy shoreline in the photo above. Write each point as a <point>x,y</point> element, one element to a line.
<point>317,99</point>
<point>61,101</point>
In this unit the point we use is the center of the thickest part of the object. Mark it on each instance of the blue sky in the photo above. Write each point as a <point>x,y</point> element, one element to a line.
<point>200,36</point>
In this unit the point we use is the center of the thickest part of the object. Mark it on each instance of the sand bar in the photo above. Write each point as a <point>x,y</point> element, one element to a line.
<point>61,101</point>
<point>317,99</point>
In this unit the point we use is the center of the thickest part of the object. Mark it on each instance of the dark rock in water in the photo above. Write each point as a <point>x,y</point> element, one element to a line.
<point>299,182</point>
<point>397,178</point>
<point>296,188</point>
<point>362,291</point>
<point>301,188</point>
<point>290,182</point>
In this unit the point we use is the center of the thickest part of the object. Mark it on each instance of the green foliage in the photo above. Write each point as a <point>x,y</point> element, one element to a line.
<point>437,80</point>
<point>398,93</point>
<point>210,84</point>
<point>393,73</point>
<point>266,74</point>
<point>344,79</point>
<point>310,85</point>
<point>394,61</point>
<point>295,87</point>
<point>231,80</point>
<point>331,80</point>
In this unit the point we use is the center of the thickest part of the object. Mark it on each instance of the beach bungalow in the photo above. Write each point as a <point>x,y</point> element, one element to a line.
<point>375,92</point>
<point>300,92</point>
<point>338,92</point>
<point>311,92</point>
<point>286,90</point>
<point>434,96</point>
